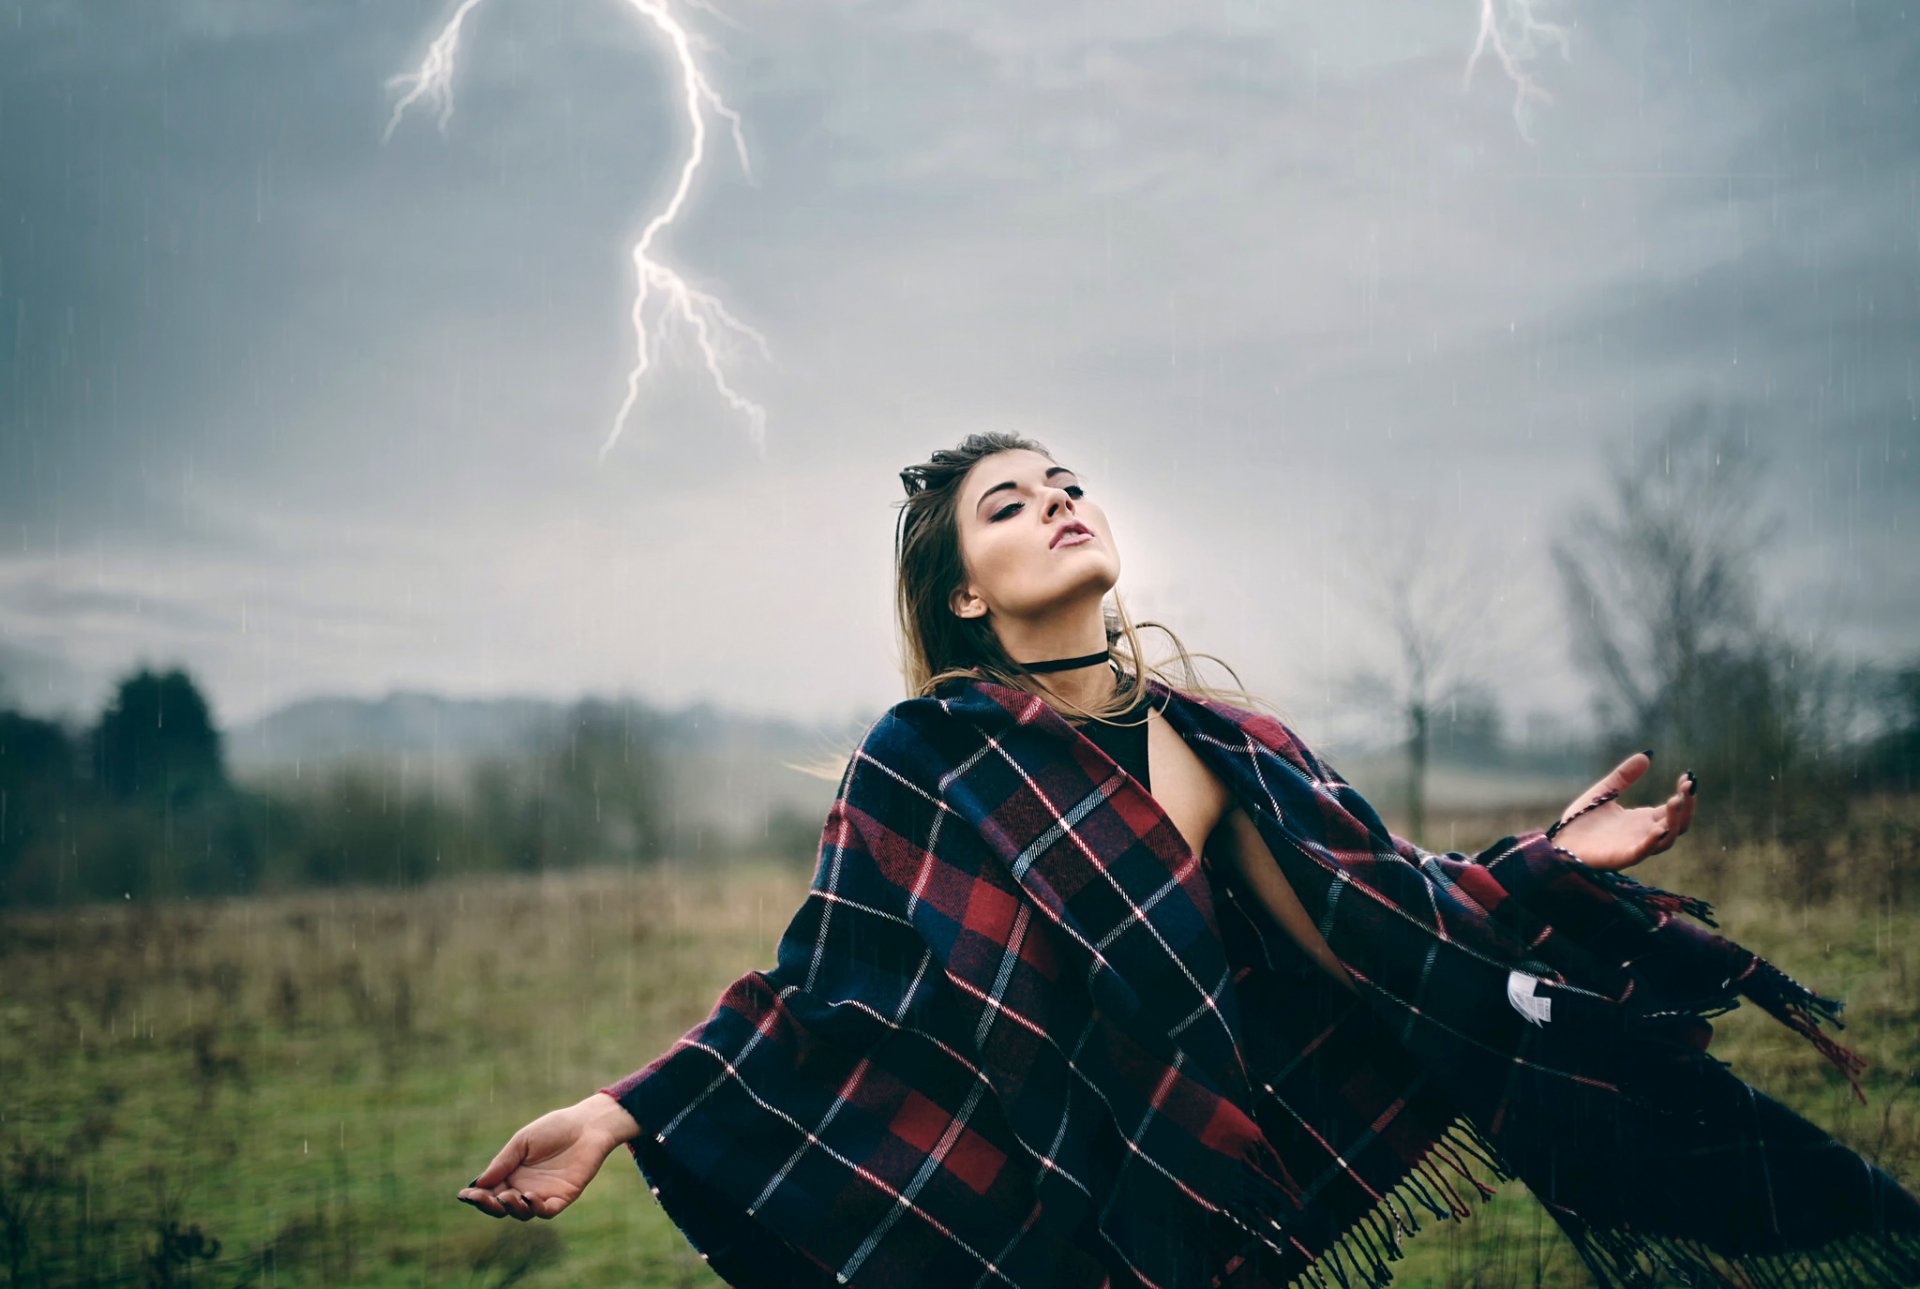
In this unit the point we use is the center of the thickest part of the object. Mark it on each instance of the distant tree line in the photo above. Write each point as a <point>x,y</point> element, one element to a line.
<point>139,805</point>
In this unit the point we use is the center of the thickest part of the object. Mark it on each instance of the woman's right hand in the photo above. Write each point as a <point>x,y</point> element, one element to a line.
<point>544,1166</point>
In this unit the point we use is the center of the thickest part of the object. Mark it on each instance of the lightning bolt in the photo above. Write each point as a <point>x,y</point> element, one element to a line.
<point>656,285</point>
<point>1514,32</point>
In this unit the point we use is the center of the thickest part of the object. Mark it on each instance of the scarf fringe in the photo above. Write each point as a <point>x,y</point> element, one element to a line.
<point>1651,898</point>
<point>1803,1011</point>
<point>1780,995</point>
<point>1362,1254</point>
<point>1630,1260</point>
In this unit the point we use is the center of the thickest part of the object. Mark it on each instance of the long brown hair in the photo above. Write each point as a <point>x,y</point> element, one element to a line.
<point>937,645</point>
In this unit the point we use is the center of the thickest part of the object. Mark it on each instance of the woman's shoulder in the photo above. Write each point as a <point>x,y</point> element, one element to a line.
<point>914,717</point>
<point>949,721</point>
<point>949,702</point>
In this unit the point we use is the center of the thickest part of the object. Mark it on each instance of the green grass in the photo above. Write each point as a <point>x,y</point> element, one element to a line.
<point>309,1078</point>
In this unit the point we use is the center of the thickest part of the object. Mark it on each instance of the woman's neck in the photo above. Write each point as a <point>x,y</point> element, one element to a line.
<point>1087,634</point>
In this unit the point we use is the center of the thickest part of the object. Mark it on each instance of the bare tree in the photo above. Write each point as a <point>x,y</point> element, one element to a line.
<point>1430,600</point>
<point>1663,578</point>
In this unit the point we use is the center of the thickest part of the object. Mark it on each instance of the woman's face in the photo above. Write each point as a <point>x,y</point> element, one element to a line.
<point>1017,514</point>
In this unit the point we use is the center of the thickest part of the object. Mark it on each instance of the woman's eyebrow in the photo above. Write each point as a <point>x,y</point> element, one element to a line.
<point>1052,471</point>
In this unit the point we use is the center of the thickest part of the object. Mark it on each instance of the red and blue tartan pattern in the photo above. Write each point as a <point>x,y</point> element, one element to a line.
<point>1019,1034</point>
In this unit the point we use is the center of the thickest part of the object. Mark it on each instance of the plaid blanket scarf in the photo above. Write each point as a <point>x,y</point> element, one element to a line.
<point>1018,1034</point>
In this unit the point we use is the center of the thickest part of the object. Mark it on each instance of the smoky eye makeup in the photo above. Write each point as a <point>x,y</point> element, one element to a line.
<point>1074,490</point>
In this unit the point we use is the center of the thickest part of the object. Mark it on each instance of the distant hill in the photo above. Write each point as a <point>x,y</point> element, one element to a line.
<point>322,730</point>
<point>729,770</point>
<point>318,731</point>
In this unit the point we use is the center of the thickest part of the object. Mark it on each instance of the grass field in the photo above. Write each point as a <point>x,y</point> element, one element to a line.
<point>308,1079</point>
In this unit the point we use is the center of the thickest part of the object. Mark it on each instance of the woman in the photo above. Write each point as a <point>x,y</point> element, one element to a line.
<point>1104,981</point>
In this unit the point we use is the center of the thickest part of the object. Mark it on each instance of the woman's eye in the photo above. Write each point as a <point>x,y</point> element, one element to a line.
<point>1073,490</point>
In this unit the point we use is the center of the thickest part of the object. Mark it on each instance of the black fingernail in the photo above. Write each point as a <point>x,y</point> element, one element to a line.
<point>474,1182</point>
<point>1693,786</point>
<point>1648,753</point>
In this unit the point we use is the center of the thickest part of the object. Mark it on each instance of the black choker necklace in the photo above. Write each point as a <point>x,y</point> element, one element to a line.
<point>1064,664</point>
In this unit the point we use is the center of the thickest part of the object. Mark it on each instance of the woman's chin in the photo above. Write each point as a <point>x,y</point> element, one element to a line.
<point>1093,584</point>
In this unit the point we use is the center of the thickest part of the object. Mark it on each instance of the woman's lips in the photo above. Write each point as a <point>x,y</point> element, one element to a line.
<point>1074,538</point>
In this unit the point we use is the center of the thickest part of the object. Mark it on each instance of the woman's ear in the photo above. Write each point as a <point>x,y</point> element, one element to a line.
<point>965,604</point>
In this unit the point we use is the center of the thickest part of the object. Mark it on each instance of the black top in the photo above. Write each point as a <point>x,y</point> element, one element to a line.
<point>1126,743</point>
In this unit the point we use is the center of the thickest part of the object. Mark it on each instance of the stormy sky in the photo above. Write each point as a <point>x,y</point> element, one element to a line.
<point>306,412</point>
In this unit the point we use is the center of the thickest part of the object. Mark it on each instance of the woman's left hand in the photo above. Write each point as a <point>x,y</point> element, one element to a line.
<point>1609,835</point>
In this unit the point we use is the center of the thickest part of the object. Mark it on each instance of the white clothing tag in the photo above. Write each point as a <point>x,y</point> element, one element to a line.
<point>1520,994</point>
